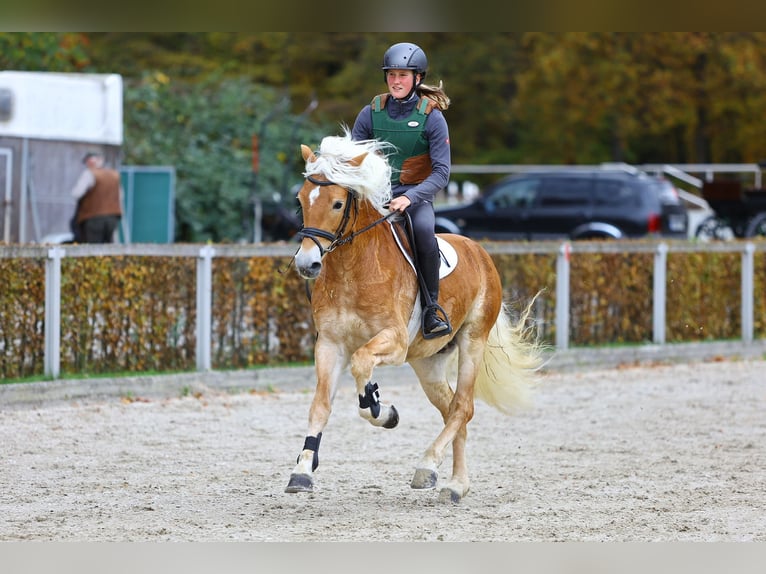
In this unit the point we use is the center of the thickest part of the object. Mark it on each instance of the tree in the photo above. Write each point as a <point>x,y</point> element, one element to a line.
<point>47,51</point>
<point>194,100</point>
<point>205,130</point>
<point>671,97</point>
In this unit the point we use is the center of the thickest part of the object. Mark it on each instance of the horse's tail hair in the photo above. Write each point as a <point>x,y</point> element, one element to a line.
<point>513,357</point>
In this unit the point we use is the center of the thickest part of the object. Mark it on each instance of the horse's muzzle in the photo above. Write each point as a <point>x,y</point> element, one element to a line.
<point>310,271</point>
<point>308,262</point>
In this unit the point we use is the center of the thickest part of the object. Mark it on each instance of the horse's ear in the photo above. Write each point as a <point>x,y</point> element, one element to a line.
<point>357,161</point>
<point>308,155</point>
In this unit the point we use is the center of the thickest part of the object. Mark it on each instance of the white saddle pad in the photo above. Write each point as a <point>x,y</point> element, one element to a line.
<point>447,254</point>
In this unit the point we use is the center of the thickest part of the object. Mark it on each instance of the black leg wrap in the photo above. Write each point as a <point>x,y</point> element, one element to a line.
<point>312,443</point>
<point>370,399</point>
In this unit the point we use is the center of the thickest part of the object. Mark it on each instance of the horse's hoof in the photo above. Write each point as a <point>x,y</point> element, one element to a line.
<point>393,418</point>
<point>424,478</point>
<point>300,483</point>
<point>449,495</point>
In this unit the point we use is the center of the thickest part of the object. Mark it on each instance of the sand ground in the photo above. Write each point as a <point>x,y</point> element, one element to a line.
<point>642,453</point>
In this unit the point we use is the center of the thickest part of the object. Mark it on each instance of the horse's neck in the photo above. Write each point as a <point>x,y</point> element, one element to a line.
<point>369,230</point>
<point>372,247</point>
<point>367,216</point>
<point>366,273</point>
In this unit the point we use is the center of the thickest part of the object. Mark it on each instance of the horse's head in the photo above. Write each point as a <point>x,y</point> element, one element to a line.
<point>340,176</point>
<point>327,209</point>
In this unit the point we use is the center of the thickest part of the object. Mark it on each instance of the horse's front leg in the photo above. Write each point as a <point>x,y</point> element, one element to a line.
<point>387,347</point>
<point>329,365</point>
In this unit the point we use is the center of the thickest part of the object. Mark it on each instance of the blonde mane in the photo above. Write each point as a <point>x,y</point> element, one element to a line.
<point>371,179</point>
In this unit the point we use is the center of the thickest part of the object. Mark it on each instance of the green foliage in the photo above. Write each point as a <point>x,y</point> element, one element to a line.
<point>206,131</point>
<point>43,51</point>
<point>575,97</point>
<point>671,97</point>
<point>194,100</point>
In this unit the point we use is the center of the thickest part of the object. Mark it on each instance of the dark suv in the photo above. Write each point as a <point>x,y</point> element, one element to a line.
<point>575,204</point>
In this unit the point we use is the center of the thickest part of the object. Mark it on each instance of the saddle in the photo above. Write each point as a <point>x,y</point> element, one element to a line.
<point>447,255</point>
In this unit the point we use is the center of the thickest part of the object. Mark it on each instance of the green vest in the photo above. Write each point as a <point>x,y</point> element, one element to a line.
<point>406,133</point>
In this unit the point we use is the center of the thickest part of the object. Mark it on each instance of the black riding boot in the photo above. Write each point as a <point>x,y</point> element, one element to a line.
<point>435,321</point>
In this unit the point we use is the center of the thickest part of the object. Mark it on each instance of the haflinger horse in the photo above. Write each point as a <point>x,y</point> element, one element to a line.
<point>366,311</point>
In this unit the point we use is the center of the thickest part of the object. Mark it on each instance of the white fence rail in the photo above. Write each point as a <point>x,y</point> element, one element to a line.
<point>206,253</point>
<point>659,280</point>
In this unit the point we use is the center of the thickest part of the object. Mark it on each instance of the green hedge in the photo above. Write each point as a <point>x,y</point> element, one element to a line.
<point>22,317</point>
<point>133,314</point>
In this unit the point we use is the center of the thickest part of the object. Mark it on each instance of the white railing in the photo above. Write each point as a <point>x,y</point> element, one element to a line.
<point>206,253</point>
<point>659,280</point>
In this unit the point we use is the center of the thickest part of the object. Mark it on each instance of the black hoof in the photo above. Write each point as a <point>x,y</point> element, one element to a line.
<point>300,483</point>
<point>393,419</point>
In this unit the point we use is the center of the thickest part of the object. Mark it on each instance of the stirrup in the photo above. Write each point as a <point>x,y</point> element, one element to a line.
<point>434,334</point>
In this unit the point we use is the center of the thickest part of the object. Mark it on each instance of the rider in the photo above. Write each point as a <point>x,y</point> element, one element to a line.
<point>410,117</point>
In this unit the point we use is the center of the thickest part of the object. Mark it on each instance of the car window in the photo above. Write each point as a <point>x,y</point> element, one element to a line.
<point>514,194</point>
<point>616,193</point>
<point>563,191</point>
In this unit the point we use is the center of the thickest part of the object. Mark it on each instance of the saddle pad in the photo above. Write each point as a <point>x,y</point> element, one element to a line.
<point>448,257</point>
<point>447,254</point>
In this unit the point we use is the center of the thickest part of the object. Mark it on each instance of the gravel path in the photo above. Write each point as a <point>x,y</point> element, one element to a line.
<point>644,453</point>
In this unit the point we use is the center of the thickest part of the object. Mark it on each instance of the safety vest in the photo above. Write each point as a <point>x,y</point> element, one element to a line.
<point>411,162</point>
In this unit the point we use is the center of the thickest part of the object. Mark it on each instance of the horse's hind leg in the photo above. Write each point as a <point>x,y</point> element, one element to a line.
<point>456,408</point>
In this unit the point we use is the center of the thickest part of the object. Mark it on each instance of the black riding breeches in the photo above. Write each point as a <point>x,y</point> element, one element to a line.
<point>426,247</point>
<point>423,224</point>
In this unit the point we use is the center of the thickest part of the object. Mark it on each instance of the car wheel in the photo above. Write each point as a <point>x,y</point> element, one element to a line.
<point>757,226</point>
<point>714,229</point>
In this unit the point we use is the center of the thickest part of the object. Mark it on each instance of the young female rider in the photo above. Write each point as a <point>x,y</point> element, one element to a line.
<point>410,117</point>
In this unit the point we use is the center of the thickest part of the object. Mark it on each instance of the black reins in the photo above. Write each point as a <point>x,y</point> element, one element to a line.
<point>337,239</point>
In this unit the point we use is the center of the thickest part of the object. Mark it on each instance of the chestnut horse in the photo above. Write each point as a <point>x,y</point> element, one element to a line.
<point>366,310</point>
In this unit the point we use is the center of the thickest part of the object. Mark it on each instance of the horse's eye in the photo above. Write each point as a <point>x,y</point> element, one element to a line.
<point>337,205</point>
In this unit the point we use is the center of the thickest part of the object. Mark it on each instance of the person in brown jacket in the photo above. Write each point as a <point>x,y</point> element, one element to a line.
<point>99,193</point>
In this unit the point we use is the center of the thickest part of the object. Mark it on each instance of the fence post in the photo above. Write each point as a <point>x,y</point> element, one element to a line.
<point>52,361</point>
<point>748,292</point>
<point>659,293</point>
<point>204,306</point>
<point>562,296</point>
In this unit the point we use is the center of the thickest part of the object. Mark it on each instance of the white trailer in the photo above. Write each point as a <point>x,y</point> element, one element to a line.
<point>48,122</point>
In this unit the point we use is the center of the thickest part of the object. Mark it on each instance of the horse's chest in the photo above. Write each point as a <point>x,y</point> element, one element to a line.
<point>344,320</point>
<point>352,327</point>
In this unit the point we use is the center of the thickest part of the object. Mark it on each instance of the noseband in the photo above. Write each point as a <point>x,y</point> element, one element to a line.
<point>336,239</point>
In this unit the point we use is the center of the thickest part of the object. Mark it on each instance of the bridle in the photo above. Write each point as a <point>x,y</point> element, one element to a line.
<point>337,239</point>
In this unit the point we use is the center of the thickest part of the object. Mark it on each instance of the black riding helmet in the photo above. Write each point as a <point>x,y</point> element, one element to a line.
<point>405,56</point>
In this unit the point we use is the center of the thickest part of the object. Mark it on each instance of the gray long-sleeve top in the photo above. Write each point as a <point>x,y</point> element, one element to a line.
<point>437,133</point>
